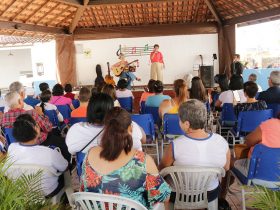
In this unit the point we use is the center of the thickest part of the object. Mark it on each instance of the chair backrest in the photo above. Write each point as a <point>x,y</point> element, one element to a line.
<point>2,109</point>
<point>265,164</point>
<point>146,121</point>
<point>171,125</point>
<point>52,115</point>
<point>126,103</point>
<point>96,201</point>
<point>191,184</point>
<point>9,135</point>
<point>76,103</point>
<point>250,120</point>
<point>275,108</point>
<point>80,156</point>
<point>74,120</point>
<point>153,111</point>
<point>142,107</point>
<point>65,111</point>
<point>228,114</point>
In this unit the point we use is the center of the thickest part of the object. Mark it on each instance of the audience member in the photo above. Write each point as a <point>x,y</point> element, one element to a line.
<point>198,90</point>
<point>99,80</point>
<point>149,92</point>
<point>26,152</point>
<point>82,136</point>
<point>111,91</point>
<point>125,169</point>
<point>235,87</point>
<point>155,100</point>
<point>253,77</point>
<point>30,100</point>
<point>84,96</point>
<point>2,100</point>
<point>250,90</point>
<point>197,147</point>
<point>43,86</point>
<point>45,105</point>
<point>58,98</point>
<point>68,89</point>
<point>181,95</point>
<point>122,91</point>
<point>272,94</point>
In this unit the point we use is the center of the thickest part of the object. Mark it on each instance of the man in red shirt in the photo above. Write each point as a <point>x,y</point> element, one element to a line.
<point>157,64</point>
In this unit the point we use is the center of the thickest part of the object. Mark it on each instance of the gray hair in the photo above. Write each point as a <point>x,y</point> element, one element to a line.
<point>275,78</point>
<point>12,99</point>
<point>193,111</point>
<point>16,87</point>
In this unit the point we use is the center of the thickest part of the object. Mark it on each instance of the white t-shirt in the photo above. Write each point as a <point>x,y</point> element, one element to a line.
<point>259,88</point>
<point>227,96</point>
<point>40,156</point>
<point>81,133</point>
<point>117,103</point>
<point>209,152</point>
<point>49,106</point>
<point>26,107</point>
<point>124,94</point>
<point>2,102</point>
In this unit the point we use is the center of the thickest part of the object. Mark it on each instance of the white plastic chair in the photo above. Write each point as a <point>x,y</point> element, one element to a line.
<point>191,185</point>
<point>96,201</point>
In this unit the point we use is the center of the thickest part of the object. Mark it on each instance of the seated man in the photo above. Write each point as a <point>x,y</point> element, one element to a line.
<point>30,100</point>
<point>253,77</point>
<point>26,151</point>
<point>84,96</point>
<point>272,94</point>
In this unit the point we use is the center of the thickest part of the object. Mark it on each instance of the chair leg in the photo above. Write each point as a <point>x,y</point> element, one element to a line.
<point>213,205</point>
<point>243,199</point>
<point>157,152</point>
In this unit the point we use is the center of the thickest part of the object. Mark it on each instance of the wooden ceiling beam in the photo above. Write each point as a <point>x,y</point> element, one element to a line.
<point>214,11</point>
<point>76,3</point>
<point>31,28</point>
<point>114,2</point>
<point>77,17</point>
<point>8,7</point>
<point>27,5</point>
<point>35,11</point>
<point>256,16</point>
<point>58,15</point>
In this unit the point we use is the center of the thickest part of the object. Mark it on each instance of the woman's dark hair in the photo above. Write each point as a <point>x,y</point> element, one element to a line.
<point>68,88</point>
<point>43,86</point>
<point>115,137</point>
<point>156,45</point>
<point>110,90</point>
<point>198,90</point>
<point>99,104</point>
<point>58,90</point>
<point>24,128</point>
<point>251,89</point>
<point>158,86</point>
<point>236,82</point>
<point>151,84</point>
<point>122,84</point>
<point>223,82</point>
<point>45,97</point>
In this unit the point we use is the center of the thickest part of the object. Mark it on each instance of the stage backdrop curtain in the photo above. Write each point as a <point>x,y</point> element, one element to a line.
<point>66,60</point>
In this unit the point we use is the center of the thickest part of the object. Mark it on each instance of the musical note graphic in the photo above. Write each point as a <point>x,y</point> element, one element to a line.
<point>146,47</point>
<point>133,51</point>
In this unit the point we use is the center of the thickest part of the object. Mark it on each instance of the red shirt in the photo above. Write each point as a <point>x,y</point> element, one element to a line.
<point>156,57</point>
<point>9,118</point>
<point>70,95</point>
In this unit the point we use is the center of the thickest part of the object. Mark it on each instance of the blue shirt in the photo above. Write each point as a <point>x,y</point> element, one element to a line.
<point>31,101</point>
<point>155,101</point>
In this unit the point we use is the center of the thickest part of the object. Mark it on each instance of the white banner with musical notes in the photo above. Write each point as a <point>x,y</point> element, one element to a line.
<point>135,51</point>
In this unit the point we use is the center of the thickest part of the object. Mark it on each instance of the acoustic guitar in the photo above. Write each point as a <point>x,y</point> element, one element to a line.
<point>108,78</point>
<point>117,70</point>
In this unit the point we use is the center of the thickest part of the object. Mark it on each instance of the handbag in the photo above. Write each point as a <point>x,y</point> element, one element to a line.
<point>91,140</point>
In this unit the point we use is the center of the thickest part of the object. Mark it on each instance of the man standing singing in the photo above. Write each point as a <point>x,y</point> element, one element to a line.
<point>157,64</point>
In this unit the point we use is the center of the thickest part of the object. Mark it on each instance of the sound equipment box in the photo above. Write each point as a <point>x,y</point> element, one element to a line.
<point>206,73</point>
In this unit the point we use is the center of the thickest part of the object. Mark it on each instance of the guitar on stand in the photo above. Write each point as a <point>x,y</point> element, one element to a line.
<point>108,78</point>
<point>117,70</point>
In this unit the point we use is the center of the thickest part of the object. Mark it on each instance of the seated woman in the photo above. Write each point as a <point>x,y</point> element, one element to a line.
<point>84,96</point>
<point>111,91</point>
<point>45,97</point>
<point>155,100</point>
<point>250,92</point>
<point>27,151</point>
<point>197,147</point>
<point>122,91</point>
<point>198,90</point>
<point>148,93</point>
<point>58,98</point>
<point>122,170</point>
<point>82,136</point>
<point>68,89</point>
<point>181,95</point>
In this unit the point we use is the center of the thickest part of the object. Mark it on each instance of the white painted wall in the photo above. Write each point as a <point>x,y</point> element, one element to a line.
<point>180,55</point>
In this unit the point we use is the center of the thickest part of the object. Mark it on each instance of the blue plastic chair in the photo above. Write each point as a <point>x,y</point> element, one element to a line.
<point>65,111</point>
<point>52,115</point>
<point>247,122</point>
<point>2,109</point>
<point>9,135</point>
<point>263,169</point>
<point>80,156</point>
<point>76,103</point>
<point>74,120</point>
<point>227,119</point>
<point>126,103</point>
<point>275,108</point>
<point>154,112</point>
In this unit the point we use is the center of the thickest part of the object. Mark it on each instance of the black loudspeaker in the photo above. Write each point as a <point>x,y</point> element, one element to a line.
<point>206,73</point>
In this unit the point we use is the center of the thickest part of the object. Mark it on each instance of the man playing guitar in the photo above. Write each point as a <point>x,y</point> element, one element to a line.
<point>127,75</point>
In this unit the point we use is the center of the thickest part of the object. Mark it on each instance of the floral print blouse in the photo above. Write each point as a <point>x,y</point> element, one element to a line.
<point>131,181</point>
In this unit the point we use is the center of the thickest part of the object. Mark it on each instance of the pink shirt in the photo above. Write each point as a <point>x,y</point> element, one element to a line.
<point>60,100</point>
<point>156,57</point>
<point>270,133</point>
<point>145,95</point>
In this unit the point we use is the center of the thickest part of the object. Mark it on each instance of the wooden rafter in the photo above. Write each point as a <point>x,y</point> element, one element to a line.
<point>27,5</point>
<point>214,11</point>
<point>77,16</point>
<point>57,15</point>
<point>76,3</point>
<point>114,2</point>
<point>194,19</point>
<point>35,11</point>
<point>47,13</point>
